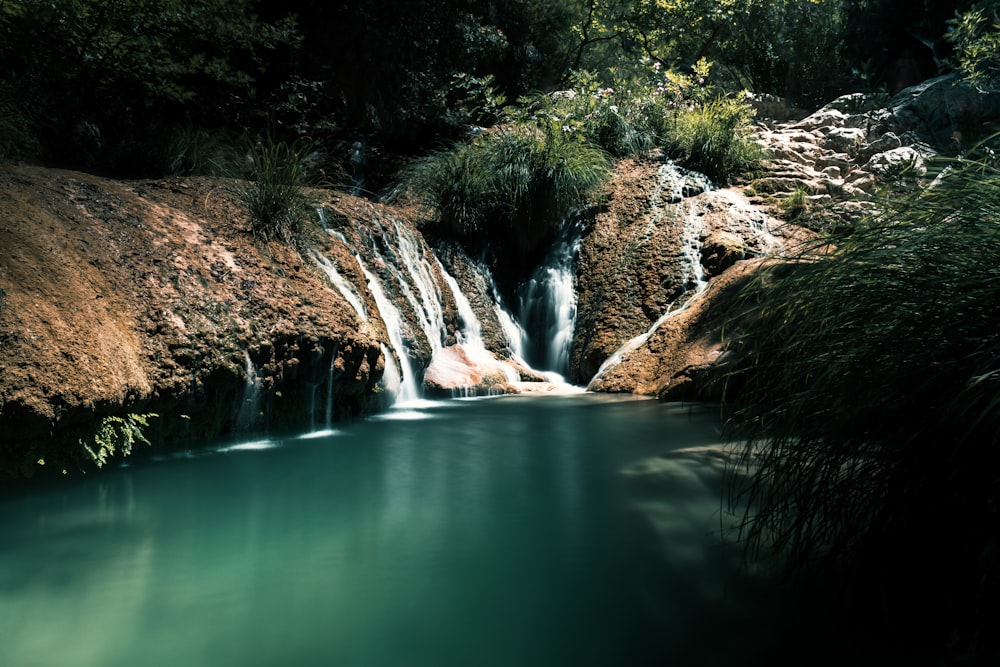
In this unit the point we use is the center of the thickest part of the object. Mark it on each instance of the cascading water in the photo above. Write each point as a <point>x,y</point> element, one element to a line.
<point>681,185</point>
<point>344,286</point>
<point>427,302</point>
<point>250,407</point>
<point>548,303</point>
<point>471,335</point>
<point>410,291</point>
<point>409,390</point>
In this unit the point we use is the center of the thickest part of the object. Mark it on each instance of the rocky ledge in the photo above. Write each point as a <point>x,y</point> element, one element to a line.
<point>153,297</point>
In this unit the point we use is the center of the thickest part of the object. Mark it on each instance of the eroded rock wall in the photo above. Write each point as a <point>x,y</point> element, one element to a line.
<point>153,297</point>
<point>638,280</point>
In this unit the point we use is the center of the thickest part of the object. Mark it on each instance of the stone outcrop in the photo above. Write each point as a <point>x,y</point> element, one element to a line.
<point>636,273</point>
<point>152,297</point>
<point>684,358</point>
<point>842,153</point>
<point>838,157</point>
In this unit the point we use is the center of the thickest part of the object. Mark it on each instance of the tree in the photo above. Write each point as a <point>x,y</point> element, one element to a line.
<point>101,78</point>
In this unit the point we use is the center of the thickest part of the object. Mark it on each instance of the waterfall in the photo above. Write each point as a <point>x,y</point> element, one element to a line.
<point>427,302</point>
<point>410,291</point>
<point>346,289</point>
<point>249,410</point>
<point>548,303</point>
<point>682,187</point>
<point>409,390</point>
<point>471,336</point>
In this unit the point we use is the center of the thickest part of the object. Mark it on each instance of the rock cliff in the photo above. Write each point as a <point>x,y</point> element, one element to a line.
<point>141,297</point>
<point>152,297</point>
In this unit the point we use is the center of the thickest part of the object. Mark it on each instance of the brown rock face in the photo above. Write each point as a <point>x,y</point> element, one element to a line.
<point>153,297</point>
<point>684,358</point>
<point>656,244</point>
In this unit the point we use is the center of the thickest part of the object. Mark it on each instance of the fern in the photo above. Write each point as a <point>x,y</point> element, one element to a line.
<point>115,434</point>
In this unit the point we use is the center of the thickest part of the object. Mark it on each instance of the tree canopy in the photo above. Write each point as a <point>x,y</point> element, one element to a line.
<point>103,84</point>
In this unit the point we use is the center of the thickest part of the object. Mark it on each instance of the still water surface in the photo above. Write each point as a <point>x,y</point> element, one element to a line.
<point>521,531</point>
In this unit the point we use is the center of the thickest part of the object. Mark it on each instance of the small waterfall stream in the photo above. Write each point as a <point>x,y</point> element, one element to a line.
<point>547,303</point>
<point>681,186</point>
<point>249,412</point>
<point>408,387</point>
<point>346,289</point>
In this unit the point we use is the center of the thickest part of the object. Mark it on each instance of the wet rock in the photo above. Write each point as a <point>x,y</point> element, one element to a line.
<point>720,250</point>
<point>456,371</point>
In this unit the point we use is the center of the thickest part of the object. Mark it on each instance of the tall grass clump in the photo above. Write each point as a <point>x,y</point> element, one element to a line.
<point>714,138</point>
<point>270,182</point>
<point>869,388</point>
<point>510,188</point>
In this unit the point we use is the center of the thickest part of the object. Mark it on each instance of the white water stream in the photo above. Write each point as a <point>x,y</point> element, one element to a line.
<point>547,308</point>
<point>673,181</point>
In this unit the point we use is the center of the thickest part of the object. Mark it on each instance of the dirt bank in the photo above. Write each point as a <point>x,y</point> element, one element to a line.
<point>152,296</point>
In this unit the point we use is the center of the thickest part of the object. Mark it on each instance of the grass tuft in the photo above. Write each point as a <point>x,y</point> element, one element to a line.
<point>270,183</point>
<point>869,378</point>
<point>715,138</point>
<point>511,187</point>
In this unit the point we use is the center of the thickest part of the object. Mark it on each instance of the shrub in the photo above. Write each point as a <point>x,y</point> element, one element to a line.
<point>510,188</point>
<point>976,37</point>
<point>270,183</point>
<point>655,106</point>
<point>615,117</point>
<point>870,379</point>
<point>715,139</point>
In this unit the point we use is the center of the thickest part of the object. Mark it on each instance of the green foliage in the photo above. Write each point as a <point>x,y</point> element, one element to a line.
<point>115,435</point>
<point>715,138</point>
<point>194,151</point>
<point>520,180</point>
<point>103,78</point>
<point>976,37</point>
<point>270,183</point>
<point>796,205</point>
<point>784,47</point>
<point>869,375</point>
<point>654,106</point>
<point>788,47</point>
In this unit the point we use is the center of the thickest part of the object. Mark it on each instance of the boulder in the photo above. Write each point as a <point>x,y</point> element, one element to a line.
<point>896,162</point>
<point>945,112</point>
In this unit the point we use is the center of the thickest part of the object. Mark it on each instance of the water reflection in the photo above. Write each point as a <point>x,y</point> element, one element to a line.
<point>516,531</point>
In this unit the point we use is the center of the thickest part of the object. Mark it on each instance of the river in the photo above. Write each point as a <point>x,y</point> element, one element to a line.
<point>515,531</point>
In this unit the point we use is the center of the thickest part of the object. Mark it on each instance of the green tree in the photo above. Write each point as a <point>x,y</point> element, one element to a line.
<point>976,37</point>
<point>97,80</point>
